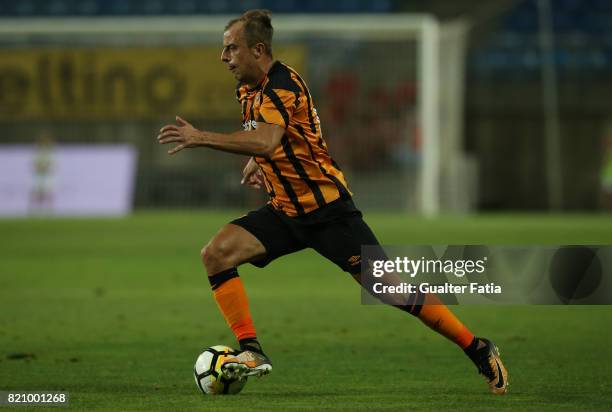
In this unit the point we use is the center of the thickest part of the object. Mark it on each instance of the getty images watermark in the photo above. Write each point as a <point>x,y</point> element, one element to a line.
<point>422,266</point>
<point>472,274</point>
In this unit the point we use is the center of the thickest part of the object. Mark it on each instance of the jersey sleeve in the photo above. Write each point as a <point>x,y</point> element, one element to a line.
<point>277,107</point>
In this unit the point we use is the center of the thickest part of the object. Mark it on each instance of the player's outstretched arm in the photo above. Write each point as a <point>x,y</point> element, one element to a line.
<point>258,142</point>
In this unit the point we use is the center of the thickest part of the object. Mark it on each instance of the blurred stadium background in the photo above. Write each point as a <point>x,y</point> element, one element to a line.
<point>429,106</point>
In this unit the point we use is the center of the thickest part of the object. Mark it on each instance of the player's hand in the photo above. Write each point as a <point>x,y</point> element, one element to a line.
<point>182,133</point>
<point>252,175</point>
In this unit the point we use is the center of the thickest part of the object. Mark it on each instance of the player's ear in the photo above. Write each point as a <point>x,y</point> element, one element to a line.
<point>259,50</point>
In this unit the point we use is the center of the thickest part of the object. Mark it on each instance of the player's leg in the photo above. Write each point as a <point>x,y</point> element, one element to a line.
<point>258,238</point>
<point>341,243</point>
<point>228,249</point>
<point>341,240</point>
<point>430,310</point>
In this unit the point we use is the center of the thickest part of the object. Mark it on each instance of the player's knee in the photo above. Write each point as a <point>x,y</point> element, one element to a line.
<point>209,255</point>
<point>205,254</point>
<point>216,256</point>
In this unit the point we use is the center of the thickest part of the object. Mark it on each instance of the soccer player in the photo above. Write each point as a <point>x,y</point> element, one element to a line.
<point>310,203</point>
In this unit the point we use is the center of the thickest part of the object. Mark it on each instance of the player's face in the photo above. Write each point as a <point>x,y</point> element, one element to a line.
<point>239,57</point>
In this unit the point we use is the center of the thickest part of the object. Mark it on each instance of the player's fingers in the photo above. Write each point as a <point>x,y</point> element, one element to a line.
<point>248,174</point>
<point>246,178</point>
<point>168,139</point>
<point>171,139</point>
<point>168,127</point>
<point>255,183</point>
<point>168,133</point>
<point>176,149</point>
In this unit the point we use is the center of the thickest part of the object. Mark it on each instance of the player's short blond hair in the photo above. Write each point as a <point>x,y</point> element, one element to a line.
<point>257,28</point>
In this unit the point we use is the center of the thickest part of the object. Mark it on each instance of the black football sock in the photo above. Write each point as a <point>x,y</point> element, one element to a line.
<point>472,350</point>
<point>251,344</point>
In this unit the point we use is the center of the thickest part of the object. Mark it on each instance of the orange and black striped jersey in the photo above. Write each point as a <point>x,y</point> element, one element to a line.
<point>300,176</point>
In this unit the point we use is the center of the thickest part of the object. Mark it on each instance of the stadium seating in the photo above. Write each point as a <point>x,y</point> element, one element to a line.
<point>582,37</point>
<point>30,8</point>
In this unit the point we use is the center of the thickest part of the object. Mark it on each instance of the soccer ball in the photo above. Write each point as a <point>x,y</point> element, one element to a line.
<point>207,372</point>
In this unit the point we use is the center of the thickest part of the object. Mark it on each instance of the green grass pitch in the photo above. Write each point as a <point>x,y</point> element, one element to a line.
<point>115,312</point>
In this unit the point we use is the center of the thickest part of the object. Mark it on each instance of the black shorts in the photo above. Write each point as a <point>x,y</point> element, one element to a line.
<point>336,231</point>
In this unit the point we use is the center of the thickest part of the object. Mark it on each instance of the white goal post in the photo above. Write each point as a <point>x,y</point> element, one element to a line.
<point>439,69</point>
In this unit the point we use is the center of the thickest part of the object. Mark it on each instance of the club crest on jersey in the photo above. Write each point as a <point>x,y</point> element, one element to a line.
<point>249,125</point>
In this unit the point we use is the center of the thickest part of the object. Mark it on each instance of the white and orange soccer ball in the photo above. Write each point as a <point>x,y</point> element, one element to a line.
<point>207,372</point>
